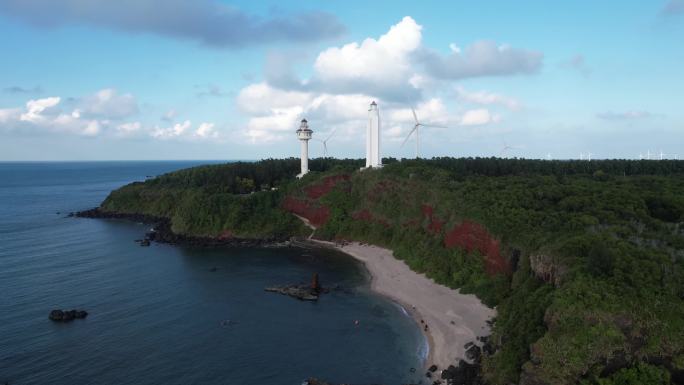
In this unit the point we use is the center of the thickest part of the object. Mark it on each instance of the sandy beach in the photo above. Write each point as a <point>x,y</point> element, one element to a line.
<point>453,319</point>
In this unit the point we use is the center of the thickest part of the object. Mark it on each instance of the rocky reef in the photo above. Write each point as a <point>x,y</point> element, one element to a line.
<point>67,315</point>
<point>309,292</point>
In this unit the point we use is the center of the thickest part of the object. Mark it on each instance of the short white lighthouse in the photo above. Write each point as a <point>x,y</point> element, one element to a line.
<point>304,135</point>
<point>373,158</point>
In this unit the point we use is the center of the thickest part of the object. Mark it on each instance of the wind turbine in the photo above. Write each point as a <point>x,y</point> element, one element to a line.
<point>505,149</point>
<point>664,156</point>
<point>325,142</point>
<point>415,128</point>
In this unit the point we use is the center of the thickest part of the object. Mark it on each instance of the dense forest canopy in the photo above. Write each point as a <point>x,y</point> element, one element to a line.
<point>583,259</point>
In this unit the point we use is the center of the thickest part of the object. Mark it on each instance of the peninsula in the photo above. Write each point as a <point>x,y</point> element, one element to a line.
<point>583,261</point>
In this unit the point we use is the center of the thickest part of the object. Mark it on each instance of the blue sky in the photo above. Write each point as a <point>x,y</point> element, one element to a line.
<point>205,79</point>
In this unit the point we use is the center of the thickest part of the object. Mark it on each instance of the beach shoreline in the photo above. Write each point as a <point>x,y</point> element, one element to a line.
<point>453,319</point>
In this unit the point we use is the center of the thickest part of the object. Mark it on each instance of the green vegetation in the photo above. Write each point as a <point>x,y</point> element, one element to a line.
<point>240,199</point>
<point>640,374</point>
<point>584,260</point>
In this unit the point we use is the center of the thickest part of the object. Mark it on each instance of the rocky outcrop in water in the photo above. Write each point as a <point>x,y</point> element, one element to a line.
<point>316,381</point>
<point>301,292</point>
<point>67,315</point>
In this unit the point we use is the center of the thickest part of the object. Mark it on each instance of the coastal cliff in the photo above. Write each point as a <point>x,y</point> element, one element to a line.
<point>586,268</point>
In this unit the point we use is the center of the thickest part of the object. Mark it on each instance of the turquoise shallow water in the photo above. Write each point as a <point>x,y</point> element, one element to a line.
<point>155,313</point>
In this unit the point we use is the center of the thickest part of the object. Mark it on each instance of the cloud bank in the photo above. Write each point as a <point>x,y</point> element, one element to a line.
<point>673,7</point>
<point>23,90</point>
<point>207,21</point>
<point>397,70</point>
<point>106,112</point>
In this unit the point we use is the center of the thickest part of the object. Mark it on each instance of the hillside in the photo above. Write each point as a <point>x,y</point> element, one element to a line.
<point>584,260</point>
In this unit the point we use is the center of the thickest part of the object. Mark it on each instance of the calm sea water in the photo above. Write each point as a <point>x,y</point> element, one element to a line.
<point>156,312</point>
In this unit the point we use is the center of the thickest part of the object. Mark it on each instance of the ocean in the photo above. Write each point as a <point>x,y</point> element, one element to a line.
<point>156,313</point>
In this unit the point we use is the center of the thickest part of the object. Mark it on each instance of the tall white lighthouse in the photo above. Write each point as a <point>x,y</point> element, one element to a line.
<point>304,135</point>
<point>373,158</point>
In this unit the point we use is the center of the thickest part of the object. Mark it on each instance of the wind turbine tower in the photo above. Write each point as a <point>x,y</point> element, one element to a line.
<point>304,135</point>
<point>325,143</point>
<point>373,158</point>
<point>416,130</point>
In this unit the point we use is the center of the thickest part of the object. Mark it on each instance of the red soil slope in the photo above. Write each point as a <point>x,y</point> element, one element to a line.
<point>315,213</point>
<point>325,186</point>
<point>472,236</point>
<point>469,236</point>
<point>434,224</point>
<point>309,207</point>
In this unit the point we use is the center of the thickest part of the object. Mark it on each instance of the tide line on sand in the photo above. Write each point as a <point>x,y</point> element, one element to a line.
<point>448,318</point>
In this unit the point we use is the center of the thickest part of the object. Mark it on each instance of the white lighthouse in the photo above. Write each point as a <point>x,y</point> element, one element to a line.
<point>373,158</point>
<point>304,135</point>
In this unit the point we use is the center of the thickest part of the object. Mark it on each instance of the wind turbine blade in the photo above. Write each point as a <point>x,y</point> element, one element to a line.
<point>433,125</point>
<point>414,115</point>
<point>409,135</point>
<point>331,134</point>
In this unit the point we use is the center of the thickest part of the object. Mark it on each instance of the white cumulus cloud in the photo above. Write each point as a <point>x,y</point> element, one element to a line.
<point>48,115</point>
<point>107,103</point>
<point>35,109</point>
<point>482,58</point>
<point>487,98</point>
<point>206,130</point>
<point>397,70</point>
<point>476,117</point>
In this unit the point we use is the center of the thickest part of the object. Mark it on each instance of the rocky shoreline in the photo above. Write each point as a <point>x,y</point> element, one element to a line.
<point>161,232</point>
<point>462,373</point>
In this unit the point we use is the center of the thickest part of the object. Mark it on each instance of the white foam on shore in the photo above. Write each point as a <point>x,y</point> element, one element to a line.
<point>424,347</point>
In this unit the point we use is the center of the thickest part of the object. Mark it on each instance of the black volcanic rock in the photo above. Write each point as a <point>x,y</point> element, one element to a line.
<point>303,293</point>
<point>56,315</point>
<point>67,315</point>
<point>473,353</point>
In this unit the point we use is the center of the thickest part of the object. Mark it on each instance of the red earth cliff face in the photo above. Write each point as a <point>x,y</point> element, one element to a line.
<point>469,236</point>
<point>309,207</point>
<point>472,236</point>
<point>325,186</point>
<point>317,215</point>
